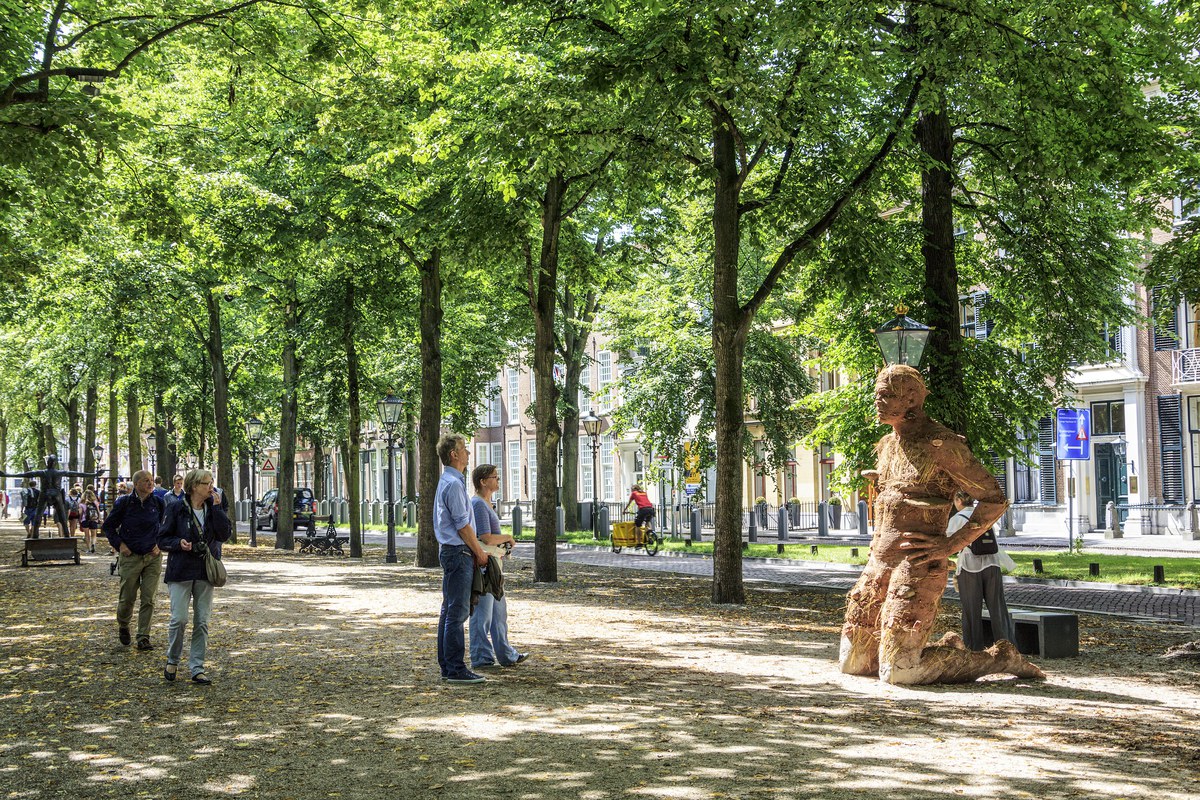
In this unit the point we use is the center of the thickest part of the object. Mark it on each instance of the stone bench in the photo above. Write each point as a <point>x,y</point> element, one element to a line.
<point>1049,634</point>
<point>57,548</point>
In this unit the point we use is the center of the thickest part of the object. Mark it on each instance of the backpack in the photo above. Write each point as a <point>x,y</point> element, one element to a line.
<point>986,545</point>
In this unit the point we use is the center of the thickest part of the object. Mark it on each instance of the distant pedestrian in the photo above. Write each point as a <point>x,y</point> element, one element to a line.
<point>29,505</point>
<point>176,490</point>
<point>73,509</point>
<point>89,517</point>
<point>5,501</point>
<point>979,579</point>
<point>192,527</point>
<point>459,554</point>
<point>489,620</point>
<point>132,528</point>
<point>159,491</point>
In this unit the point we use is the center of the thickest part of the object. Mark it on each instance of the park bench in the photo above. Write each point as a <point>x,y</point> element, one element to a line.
<point>57,548</point>
<point>1049,634</point>
<point>327,544</point>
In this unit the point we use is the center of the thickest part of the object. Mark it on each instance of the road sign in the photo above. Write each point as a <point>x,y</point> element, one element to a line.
<point>268,467</point>
<point>1074,433</point>
<point>691,488</point>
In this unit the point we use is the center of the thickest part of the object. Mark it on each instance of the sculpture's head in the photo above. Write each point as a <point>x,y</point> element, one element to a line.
<point>51,461</point>
<point>899,394</point>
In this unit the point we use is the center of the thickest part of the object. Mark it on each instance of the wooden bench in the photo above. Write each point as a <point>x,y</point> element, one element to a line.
<point>56,548</point>
<point>1049,634</point>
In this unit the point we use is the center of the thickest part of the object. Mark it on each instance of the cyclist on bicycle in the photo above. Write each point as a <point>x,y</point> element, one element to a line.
<point>645,509</point>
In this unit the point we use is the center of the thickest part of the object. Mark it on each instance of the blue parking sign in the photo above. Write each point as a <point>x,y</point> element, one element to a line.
<point>1074,433</point>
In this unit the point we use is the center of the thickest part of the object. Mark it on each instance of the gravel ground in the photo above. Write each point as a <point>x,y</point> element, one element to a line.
<point>326,685</point>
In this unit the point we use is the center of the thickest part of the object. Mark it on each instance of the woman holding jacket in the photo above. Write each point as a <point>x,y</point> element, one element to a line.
<point>190,528</point>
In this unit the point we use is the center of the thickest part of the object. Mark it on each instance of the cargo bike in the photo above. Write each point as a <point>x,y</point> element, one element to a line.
<point>626,534</point>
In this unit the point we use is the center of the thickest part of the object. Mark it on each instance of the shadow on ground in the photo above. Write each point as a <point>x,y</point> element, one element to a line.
<point>327,687</point>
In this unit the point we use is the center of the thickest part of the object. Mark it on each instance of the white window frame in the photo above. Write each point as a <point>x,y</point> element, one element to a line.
<point>608,485</point>
<point>514,395</point>
<point>585,389</point>
<point>497,459</point>
<point>605,371</point>
<point>531,455</point>
<point>514,470</point>
<point>493,404</point>
<point>585,468</point>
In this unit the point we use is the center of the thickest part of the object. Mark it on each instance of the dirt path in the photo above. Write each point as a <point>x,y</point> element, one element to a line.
<point>327,686</point>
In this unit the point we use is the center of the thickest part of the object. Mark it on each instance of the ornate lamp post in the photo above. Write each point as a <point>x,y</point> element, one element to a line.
<point>391,412</point>
<point>591,426</point>
<point>254,432</point>
<point>902,340</point>
<point>152,449</point>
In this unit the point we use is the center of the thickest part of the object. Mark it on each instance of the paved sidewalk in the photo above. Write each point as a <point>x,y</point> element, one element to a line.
<point>1136,602</point>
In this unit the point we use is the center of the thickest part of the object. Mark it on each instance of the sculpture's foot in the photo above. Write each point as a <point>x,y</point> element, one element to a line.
<point>1015,663</point>
<point>952,639</point>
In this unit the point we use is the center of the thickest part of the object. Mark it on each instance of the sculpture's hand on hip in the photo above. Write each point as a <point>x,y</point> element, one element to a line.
<point>924,548</point>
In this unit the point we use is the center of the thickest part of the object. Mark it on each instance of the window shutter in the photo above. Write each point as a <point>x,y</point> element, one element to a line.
<point>1170,440</point>
<point>1000,470</point>
<point>1166,336</point>
<point>1049,476</point>
<point>983,326</point>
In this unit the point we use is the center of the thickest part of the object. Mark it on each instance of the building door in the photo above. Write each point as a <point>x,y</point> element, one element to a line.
<point>1112,483</point>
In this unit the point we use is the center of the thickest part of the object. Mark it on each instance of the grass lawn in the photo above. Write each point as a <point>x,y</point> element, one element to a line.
<point>1182,573</point>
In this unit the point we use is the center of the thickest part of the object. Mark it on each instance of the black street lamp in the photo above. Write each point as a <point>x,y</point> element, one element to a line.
<point>591,426</point>
<point>902,340</point>
<point>391,412</point>
<point>97,454</point>
<point>254,432</point>
<point>152,449</point>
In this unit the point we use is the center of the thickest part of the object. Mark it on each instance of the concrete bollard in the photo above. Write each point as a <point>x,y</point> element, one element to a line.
<point>517,514</point>
<point>1189,531</point>
<point>697,522</point>
<point>862,517</point>
<point>754,525</point>
<point>1112,528</point>
<point>560,522</point>
<point>605,529</point>
<point>782,523</point>
<point>822,518</point>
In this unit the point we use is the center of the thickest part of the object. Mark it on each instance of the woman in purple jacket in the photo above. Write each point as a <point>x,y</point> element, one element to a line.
<point>189,529</point>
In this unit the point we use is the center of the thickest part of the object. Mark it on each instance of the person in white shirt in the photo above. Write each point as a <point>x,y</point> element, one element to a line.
<point>979,579</point>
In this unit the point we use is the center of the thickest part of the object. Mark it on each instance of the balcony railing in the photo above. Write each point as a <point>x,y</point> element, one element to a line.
<point>1186,366</point>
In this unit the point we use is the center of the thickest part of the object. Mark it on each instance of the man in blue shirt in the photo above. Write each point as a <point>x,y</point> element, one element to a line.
<point>132,528</point>
<point>459,552</point>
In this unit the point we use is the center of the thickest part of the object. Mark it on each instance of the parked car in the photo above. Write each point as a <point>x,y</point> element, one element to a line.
<point>304,509</point>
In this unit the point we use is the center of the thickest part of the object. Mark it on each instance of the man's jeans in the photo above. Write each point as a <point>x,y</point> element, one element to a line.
<point>489,621</point>
<point>139,574</point>
<point>200,593</point>
<point>458,570</point>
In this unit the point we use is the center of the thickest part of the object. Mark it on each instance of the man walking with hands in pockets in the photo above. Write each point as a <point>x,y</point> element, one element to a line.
<point>459,553</point>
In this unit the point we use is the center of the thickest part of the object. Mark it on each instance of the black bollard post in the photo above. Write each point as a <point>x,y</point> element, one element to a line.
<point>1037,566</point>
<point>813,549</point>
<point>1094,569</point>
<point>854,552</point>
<point>1160,574</point>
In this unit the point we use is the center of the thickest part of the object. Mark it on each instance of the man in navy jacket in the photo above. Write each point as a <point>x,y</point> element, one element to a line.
<point>132,529</point>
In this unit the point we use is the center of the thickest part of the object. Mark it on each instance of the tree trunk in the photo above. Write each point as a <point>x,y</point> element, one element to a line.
<point>431,405</point>
<point>577,323</point>
<point>320,490</point>
<point>287,421</point>
<point>354,424</point>
<point>543,301</point>
<point>162,465</point>
<point>729,345</point>
<point>114,433</point>
<point>133,427</point>
<point>73,433</point>
<point>90,412</point>
<point>410,456</point>
<point>946,381</point>
<point>220,380</point>
<point>3,448</point>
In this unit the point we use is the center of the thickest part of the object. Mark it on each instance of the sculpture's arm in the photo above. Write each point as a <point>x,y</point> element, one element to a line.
<point>956,459</point>
<point>37,474</point>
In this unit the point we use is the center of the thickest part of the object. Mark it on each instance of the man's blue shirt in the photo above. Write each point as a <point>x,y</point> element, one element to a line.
<point>450,511</point>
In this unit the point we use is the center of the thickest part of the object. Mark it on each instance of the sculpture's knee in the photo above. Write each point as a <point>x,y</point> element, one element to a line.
<point>859,654</point>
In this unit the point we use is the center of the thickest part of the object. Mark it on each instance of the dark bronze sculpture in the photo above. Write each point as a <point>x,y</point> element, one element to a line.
<point>50,480</point>
<point>891,610</point>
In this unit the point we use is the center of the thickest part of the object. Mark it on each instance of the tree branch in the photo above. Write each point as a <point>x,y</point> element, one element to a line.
<point>818,228</point>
